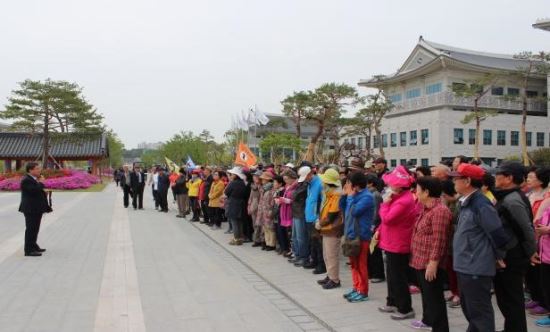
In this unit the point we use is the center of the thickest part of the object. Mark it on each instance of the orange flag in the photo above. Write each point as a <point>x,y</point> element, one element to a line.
<point>244,156</point>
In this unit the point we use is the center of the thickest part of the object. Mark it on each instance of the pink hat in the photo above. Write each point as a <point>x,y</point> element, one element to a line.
<point>399,177</point>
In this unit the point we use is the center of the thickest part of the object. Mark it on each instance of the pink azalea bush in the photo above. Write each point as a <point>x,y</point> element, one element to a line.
<point>74,180</point>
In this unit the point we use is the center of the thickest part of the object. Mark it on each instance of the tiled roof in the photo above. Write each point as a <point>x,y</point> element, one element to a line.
<point>62,146</point>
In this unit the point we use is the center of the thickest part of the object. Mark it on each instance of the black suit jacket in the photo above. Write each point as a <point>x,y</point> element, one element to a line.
<point>33,196</point>
<point>134,181</point>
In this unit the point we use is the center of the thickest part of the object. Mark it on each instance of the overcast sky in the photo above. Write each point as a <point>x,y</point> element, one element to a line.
<point>156,67</point>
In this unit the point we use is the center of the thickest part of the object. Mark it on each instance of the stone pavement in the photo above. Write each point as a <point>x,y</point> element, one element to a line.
<point>108,268</point>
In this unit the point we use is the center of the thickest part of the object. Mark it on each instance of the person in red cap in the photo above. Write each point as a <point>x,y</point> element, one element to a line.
<point>478,246</point>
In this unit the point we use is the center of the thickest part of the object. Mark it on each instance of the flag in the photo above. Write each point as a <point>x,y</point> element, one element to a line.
<point>172,166</point>
<point>190,164</point>
<point>244,156</point>
<point>252,119</point>
<point>243,121</point>
<point>261,117</point>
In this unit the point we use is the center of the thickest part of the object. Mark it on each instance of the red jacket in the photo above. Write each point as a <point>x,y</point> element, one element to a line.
<point>201,191</point>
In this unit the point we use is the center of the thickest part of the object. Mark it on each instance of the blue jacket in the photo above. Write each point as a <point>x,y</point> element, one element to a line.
<point>479,238</point>
<point>363,211</point>
<point>314,199</point>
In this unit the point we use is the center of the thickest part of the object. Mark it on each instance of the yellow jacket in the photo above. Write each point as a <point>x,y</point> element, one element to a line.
<point>215,194</point>
<point>194,187</point>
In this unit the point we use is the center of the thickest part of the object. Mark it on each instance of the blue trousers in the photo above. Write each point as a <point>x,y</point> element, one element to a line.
<point>300,238</point>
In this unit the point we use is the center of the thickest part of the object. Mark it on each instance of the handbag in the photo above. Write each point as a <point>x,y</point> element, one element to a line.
<point>352,247</point>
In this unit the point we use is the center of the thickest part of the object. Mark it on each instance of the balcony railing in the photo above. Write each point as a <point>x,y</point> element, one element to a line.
<point>449,99</point>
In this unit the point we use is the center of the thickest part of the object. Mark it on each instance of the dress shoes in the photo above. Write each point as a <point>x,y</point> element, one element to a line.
<point>33,254</point>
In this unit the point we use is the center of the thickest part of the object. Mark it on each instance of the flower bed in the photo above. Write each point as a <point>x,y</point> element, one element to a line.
<point>63,180</point>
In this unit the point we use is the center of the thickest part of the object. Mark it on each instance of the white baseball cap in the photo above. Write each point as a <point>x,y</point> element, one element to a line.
<point>289,165</point>
<point>303,172</point>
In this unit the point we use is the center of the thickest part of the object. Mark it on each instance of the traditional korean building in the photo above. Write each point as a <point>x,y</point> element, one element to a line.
<point>425,125</point>
<point>19,148</point>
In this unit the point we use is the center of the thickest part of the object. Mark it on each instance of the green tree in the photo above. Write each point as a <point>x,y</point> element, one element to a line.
<point>536,66</point>
<point>326,105</point>
<point>476,90</point>
<point>295,106</point>
<point>377,106</point>
<point>115,149</point>
<point>51,107</point>
<point>276,143</point>
<point>362,124</point>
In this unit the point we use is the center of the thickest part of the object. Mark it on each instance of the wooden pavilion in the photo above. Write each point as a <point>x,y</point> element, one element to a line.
<point>17,148</point>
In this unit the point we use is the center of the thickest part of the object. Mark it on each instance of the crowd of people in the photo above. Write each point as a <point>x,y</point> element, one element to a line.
<point>455,226</point>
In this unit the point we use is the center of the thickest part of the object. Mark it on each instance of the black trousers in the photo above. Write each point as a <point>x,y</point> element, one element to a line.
<point>397,267</point>
<point>545,286</point>
<point>509,291</point>
<point>156,198</point>
<point>434,310</point>
<point>282,237</point>
<point>215,215</point>
<point>316,245</point>
<point>475,299</point>
<point>375,264</point>
<point>205,212</point>
<point>195,208</point>
<point>163,200</point>
<point>126,199</point>
<point>534,285</point>
<point>248,228</point>
<point>32,227</point>
<point>137,199</point>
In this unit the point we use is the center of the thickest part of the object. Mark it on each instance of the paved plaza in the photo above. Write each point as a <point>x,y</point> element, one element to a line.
<point>108,268</point>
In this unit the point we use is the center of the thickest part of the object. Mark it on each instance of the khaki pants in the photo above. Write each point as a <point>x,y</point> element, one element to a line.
<point>270,236</point>
<point>183,204</point>
<point>331,254</point>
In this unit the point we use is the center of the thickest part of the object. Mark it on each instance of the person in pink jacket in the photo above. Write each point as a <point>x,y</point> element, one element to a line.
<point>398,212</point>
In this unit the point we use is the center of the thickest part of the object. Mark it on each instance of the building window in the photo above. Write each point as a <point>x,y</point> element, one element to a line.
<point>393,163</point>
<point>425,162</point>
<point>395,98</point>
<point>353,141</point>
<point>403,162</point>
<point>514,138</point>
<point>413,93</point>
<point>360,143</point>
<point>393,140</point>
<point>375,142</point>
<point>532,94</point>
<point>425,136</point>
<point>540,139</point>
<point>513,91</point>
<point>487,137</point>
<point>458,136</point>
<point>413,161</point>
<point>529,138</point>
<point>346,141</point>
<point>412,137</point>
<point>403,138</point>
<point>501,137</point>
<point>471,136</point>
<point>384,140</point>
<point>433,88</point>
<point>497,91</point>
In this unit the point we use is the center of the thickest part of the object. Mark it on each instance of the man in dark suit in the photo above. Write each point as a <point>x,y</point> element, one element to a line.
<point>163,186</point>
<point>34,204</point>
<point>137,183</point>
<point>126,185</point>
